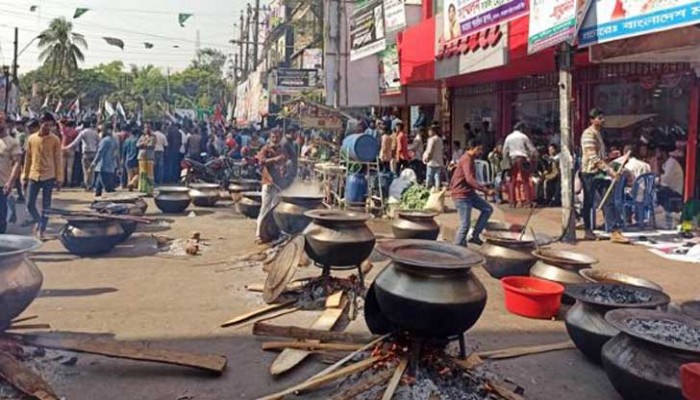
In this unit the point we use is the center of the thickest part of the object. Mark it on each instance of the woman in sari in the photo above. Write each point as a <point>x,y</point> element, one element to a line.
<point>146,145</point>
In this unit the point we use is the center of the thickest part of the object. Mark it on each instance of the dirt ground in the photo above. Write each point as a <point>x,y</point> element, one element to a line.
<point>138,293</point>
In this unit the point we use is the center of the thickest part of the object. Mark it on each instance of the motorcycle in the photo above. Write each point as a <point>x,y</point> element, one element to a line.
<point>220,170</point>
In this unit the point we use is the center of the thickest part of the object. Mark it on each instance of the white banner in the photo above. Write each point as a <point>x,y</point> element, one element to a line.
<point>394,15</point>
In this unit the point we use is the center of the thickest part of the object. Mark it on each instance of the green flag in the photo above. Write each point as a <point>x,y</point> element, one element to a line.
<point>33,8</point>
<point>148,45</point>
<point>114,42</point>
<point>182,17</point>
<point>79,11</point>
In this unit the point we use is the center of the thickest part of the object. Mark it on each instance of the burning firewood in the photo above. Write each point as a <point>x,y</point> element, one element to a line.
<point>263,329</point>
<point>24,379</point>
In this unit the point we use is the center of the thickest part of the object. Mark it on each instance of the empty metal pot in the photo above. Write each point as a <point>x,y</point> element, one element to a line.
<point>338,238</point>
<point>249,208</point>
<point>509,253</point>
<point>204,194</point>
<point>560,266</point>
<point>593,275</point>
<point>289,213</point>
<point>90,236</point>
<point>428,288</point>
<point>172,199</point>
<point>415,225</point>
<point>20,279</point>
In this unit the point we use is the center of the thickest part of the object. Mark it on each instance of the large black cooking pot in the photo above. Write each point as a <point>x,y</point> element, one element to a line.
<point>289,213</point>
<point>643,361</point>
<point>90,236</point>
<point>338,238</point>
<point>585,321</point>
<point>510,253</point>
<point>415,225</point>
<point>428,288</point>
<point>172,199</point>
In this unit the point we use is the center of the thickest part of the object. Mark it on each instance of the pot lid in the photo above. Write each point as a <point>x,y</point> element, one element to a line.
<point>617,295</point>
<point>282,269</point>
<point>595,275</point>
<point>173,189</point>
<point>416,214</point>
<point>337,215</point>
<point>11,245</point>
<point>429,253</point>
<point>515,238</point>
<point>663,328</point>
<point>564,257</point>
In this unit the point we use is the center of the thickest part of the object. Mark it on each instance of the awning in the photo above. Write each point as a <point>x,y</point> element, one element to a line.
<point>417,53</point>
<point>622,121</point>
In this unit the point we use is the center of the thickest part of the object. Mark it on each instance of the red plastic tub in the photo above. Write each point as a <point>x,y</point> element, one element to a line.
<point>690,381</point>
<point>532,297</point>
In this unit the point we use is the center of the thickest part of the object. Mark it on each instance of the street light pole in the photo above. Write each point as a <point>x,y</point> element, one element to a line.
<point>6,75</point>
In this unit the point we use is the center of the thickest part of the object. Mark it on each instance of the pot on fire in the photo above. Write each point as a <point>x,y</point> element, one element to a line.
<point>91,236</point>
<point>172,199</point>
<point>428,288</point>
<point>338,238</point>
<point>415,225</point>
<point>289,213</point>
<point>20,279</point>
<point>510,253</point>
<point>585,321</point>
<point>643,361</point>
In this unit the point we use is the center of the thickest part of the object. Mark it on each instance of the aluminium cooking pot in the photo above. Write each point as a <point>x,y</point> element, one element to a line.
<point>91,236</point>
<point>510,253</point>
<point>20,279</point>
<point>172,199</point>
<point>338,238</point>
<point>289,213</point>
<point>415,225</point>
<point>428,288</point>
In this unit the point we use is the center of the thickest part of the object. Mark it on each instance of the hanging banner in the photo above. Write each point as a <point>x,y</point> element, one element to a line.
<point>463,17</point>
<point>367,30</point>
<point>609,20</point>
<point>394,15</point>
<point>291,81</point>
<point>389,76</point>
<point>551,22</point>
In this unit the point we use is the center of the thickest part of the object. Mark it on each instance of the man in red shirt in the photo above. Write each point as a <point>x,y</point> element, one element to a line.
<point>463,188</point>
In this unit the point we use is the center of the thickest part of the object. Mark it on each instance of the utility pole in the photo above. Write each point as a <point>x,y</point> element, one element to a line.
<point>240,45</point>
<point>565,64</point>
<point>256,29</point>
<point>247,39</point>
<point>14,59</point>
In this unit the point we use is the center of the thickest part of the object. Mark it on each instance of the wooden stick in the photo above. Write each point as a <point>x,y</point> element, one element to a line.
<point>614,181</point>
<point>309,346</point>
<point>133,218</point>
<point>19,327</point>
<point>263,329</point>
<point>320,381</point>
<point>472,361</point>
<point>364,385</point>
<point>334,300</point>
<point>24,379</point>
<point>525,350</point>
<point>268,317</point>
<point>395,379</point>
<point>92,344</point>
<point>255,313</point>
<point>502,391</point>
<point>24,319</point>
<point>350,357</point>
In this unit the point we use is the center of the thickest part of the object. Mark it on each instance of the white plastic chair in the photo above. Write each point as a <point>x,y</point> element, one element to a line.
<point>483,172</point>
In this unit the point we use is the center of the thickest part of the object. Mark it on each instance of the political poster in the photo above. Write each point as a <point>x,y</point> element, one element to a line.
<point>463,17</point>
<point>551,22</point>
<point>367,33</point>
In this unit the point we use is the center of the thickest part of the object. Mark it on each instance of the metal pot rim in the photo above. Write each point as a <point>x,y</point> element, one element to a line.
<point>19,244</point>
<point>594,275</point>
<point>658,298</point>
<point>509,238</point>
<point>429,254</point>
<point>173,189</point>
<point>618,318</point>
<point>557,257</point>
<point>203,186</point>
<point>336,215</point>
<point>293,198</point>
<point>416,214</point>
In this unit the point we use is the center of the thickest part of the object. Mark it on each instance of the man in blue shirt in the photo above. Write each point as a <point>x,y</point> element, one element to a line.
<point>130,159</point>
<point>105,164</point>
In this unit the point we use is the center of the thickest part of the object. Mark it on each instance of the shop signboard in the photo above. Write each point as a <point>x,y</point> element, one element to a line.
<point>394,15</point>
<point>551,22</point>
<point>312,59</point>
<point>389,76</point>
<point>367,30</point>
<point>464,17</point>
<point>481,50</point>
<point>292,80</point>
<point>609,20</point>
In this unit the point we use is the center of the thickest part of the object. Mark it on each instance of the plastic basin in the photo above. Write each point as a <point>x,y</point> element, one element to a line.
<point>690,381</point>
<point>532,297</point>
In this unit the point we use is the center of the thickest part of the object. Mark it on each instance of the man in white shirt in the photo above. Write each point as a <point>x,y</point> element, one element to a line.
<point>671,181</point>
<point>10,157</point>
<point>88,139</point>
<point>521,152</point>
<point>159,151</point>
<point>635,167</point>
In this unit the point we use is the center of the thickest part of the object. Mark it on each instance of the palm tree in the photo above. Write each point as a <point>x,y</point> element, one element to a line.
<point>61,47</point>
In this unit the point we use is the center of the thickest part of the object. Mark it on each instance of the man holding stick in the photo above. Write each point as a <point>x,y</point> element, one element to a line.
<point>593,173</point>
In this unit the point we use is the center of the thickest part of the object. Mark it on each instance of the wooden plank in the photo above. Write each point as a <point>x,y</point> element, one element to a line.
<point>502,391</point>
<point>268,317</point>
<point>350,356</point>
<point>18,327</point>
<point>24,379</point>
<point>24,319</point>
<point>255,313</point>
<point>525,350</point>
<point>93,344</point>
<point>364,385</point>
<point>395,379</point>
<point>472,361</point>
<point>334,300</point>
<point>310,346</point>
<point>290,358</point>
<point>320,381</point>
<point>263,329</point>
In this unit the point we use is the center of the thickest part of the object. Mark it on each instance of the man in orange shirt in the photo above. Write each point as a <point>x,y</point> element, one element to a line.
<point>402,155</point>
<point>43,170</point>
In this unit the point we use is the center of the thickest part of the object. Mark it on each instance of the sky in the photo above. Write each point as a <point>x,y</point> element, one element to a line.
<point>133,21</point>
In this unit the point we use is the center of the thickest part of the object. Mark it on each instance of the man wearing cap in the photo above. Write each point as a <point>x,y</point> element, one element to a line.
<point>593,173</point>
<point>10,156</point>
<point>43,170</point>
